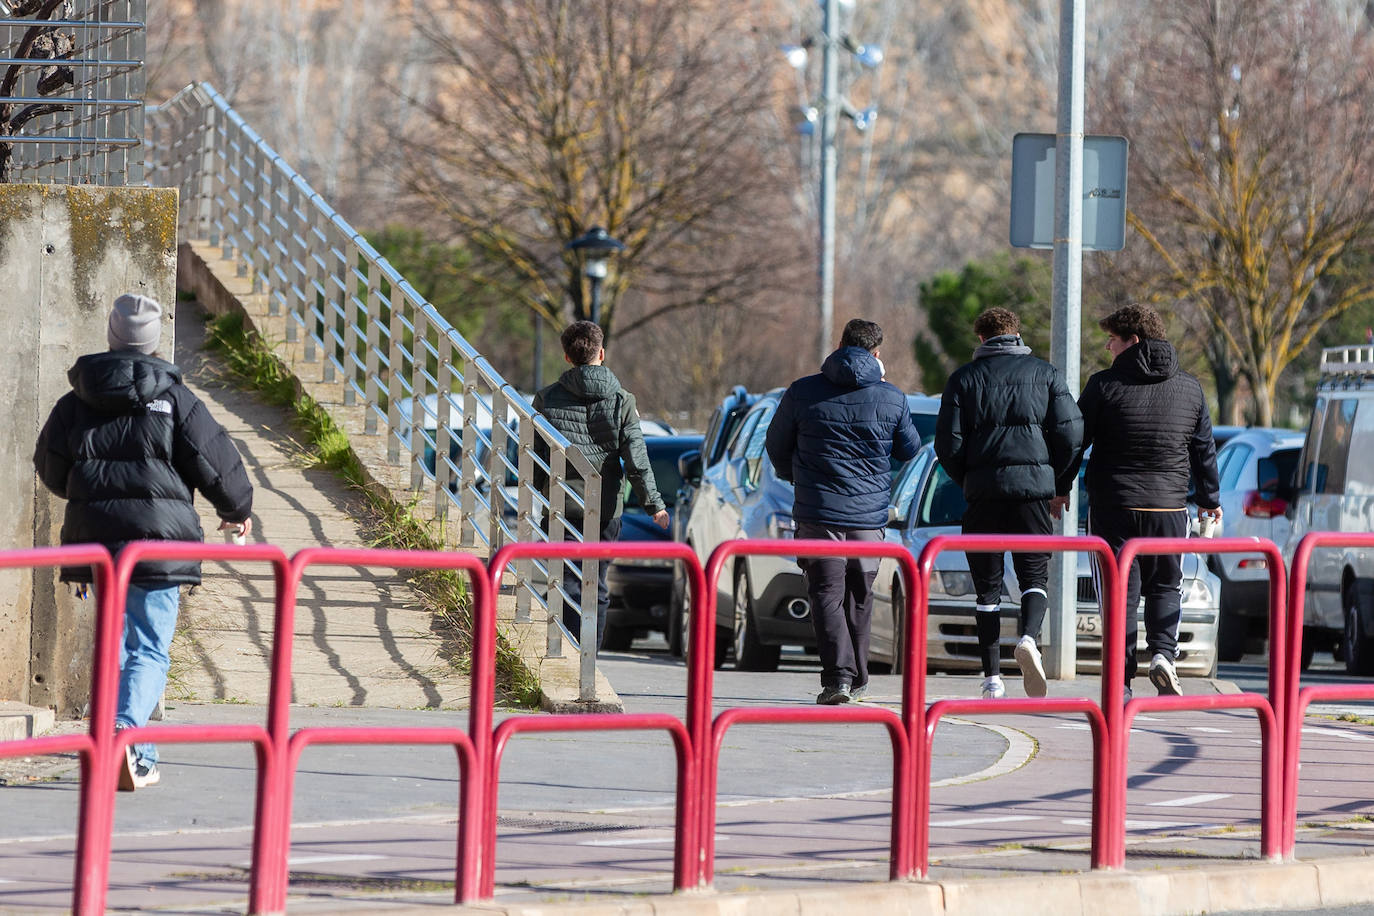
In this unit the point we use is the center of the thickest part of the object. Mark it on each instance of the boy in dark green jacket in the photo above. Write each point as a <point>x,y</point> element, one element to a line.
<point>588,406</point>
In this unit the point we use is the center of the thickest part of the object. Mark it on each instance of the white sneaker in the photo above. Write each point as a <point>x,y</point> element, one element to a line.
<point>1164,677</point>
<point>1032,672</point>
<point>993,688</point>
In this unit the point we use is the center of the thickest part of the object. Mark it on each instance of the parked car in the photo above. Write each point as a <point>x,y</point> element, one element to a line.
<point>926,503</point>
<point>1334,491</point>
<point>762,601</point>
<point>1252,464</point>
<point>641,590</point>
<point>725,419</point>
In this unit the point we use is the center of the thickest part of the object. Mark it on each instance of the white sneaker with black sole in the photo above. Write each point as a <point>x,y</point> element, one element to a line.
<point>1032,670</point>
<point>1164,677</point>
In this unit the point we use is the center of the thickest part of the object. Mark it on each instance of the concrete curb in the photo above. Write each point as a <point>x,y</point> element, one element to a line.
<point>19,721</point>
<point>1232,888</point>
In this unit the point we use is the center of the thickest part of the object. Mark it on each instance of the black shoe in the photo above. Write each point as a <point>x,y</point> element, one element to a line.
<point>833,696</point>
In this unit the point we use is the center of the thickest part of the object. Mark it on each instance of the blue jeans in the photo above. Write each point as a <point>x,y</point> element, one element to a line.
<point>150,622</point>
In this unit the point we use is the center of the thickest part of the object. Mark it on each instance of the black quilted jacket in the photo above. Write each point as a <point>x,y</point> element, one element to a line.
<point>126,448</point>
<point>1148,424</point>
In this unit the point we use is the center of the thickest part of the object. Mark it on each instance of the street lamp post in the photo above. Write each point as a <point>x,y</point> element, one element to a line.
<point>831,106</point>
<point>595,247</point>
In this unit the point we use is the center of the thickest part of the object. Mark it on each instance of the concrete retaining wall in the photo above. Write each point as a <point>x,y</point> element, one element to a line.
<point>65,254</point>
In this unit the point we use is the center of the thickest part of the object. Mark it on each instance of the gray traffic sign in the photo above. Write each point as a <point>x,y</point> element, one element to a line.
<point>1104,192</point>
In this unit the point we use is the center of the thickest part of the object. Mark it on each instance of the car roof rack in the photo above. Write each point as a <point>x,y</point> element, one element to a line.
<point>1352,365</point>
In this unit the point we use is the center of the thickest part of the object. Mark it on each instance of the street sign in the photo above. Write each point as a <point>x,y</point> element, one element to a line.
<point>1104,192</point>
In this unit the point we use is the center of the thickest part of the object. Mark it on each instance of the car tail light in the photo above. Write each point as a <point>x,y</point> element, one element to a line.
<point>1257,505</point>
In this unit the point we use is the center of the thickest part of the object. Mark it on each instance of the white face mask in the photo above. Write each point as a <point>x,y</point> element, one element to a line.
<point>881,369</point>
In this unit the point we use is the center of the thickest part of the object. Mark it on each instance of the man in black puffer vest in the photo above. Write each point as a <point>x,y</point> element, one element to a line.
<point>1148,424</point>
<point>1009,433</point>
<point>126,448</point>
<point>833,436</point>
<point>588,406</point>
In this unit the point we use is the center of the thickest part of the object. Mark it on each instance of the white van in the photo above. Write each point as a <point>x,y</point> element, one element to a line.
<point>1334,491</point>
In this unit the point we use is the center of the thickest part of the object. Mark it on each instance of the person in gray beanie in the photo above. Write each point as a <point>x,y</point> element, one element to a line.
<point>126,448</point>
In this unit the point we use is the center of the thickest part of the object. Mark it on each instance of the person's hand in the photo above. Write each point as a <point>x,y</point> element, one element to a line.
<point>244,527</point>
<point>661,519</point>
<point>1057,506</point>
<point>1209,513</point>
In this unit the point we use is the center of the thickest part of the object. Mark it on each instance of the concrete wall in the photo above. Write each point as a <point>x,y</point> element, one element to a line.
<point>65,254</point>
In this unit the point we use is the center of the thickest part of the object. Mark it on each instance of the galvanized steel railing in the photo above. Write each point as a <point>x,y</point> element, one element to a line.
<point>472,442</point>
<point>71,91</point>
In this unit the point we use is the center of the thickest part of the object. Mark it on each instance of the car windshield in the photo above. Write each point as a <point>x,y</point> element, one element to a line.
<point>944,503</point>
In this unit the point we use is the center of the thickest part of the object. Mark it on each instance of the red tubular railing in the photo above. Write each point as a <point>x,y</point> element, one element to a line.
<point>261,890</point>
<point>98,776</point>
<point>701,684</point>
<point>1269,708</point>
<point>686,855</point>
<point>1298,700</point>
<point>471,749</point>
<point>917,716</point>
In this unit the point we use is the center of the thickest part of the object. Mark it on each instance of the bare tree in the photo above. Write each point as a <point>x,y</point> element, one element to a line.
<point>546,117</point>
<point>1253,156</point>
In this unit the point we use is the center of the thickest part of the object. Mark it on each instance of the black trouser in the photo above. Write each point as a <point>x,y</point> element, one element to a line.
<point>998,516</point>
<point>1157,577</point>
<point>572,584</point>
<point>841,593</point>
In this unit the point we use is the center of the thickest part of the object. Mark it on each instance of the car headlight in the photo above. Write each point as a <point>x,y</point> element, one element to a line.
<point>955,583</point>
<point>1196,591</point>
<point>781,526</point>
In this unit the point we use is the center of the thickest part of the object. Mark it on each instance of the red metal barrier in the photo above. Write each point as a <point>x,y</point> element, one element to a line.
<point>1114,672</point>
<point>701,681</point>
<point>96,748</point>
<point>921,733</point>
<point>686,872</point>
<point>471,749</point>
<point>1297,700</point>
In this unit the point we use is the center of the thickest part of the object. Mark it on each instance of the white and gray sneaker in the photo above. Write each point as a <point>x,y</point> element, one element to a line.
<point>1164,677</point>
<point>993,688</point>
<point>1032,671</point>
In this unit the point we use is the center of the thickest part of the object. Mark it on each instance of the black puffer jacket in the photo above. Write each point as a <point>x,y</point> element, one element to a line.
<point>126,448</point>
<point>588,406</point>
<point>834,434</point>
<point>1148,424</point>
<point>1008,427</point>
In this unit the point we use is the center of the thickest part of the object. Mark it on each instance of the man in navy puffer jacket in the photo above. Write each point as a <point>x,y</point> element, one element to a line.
<point>833,436</point>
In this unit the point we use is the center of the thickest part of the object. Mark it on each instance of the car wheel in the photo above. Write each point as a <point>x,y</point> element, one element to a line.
<point>1310,638</point>
<point>1359,648</point>
<point>1231,629</point>
<point>617,638</point>
<point>750,653</point>
<point>677,614</point>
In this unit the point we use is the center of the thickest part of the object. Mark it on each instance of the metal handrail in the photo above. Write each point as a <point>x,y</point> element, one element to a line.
<point>356,324</point>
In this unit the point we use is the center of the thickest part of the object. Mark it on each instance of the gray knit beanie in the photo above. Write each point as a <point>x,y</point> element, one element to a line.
<point>135,324</point>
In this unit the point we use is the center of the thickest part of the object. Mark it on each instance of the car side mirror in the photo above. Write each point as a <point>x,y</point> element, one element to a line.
<point>689,466</point>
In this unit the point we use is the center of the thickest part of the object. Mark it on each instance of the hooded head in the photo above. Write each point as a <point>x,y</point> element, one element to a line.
<point>135,324</point>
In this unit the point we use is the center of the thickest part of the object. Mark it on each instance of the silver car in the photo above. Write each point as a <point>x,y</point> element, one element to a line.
<point>926,503</point>
<point>1253,466</point>
<point>762,602</point>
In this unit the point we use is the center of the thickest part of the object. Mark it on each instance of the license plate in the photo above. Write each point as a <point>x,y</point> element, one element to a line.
<point>1089,624</point>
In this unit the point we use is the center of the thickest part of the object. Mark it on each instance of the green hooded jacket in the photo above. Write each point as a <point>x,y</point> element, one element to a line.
<point>588,406</point>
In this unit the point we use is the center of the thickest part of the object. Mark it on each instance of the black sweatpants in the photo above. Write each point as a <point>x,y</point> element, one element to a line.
<point>996,516</point>
<point>1157,577</point>
<point>841,593</point>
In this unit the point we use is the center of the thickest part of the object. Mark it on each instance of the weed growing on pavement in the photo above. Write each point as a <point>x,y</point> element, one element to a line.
<point>389,524</point>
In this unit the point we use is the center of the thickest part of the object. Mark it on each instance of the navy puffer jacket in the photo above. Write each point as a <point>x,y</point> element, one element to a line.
<point>1008,427</point>
<point>834,435</point>
<point>126,448</point>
